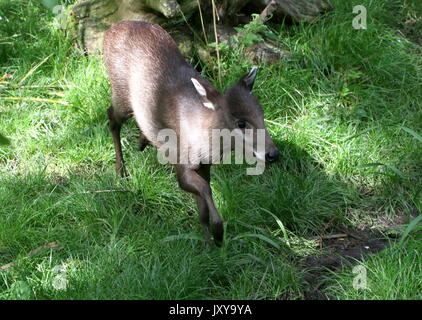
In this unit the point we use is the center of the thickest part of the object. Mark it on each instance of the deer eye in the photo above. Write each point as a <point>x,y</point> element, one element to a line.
<point>241,124</point>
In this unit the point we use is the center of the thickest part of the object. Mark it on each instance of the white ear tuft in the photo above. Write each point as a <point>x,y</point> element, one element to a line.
<point>199,87</point>
<point>209,105</point>
<point>203,93</point>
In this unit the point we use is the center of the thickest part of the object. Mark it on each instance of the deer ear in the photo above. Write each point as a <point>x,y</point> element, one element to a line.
<point>203,93</point>
<point>248,80</point>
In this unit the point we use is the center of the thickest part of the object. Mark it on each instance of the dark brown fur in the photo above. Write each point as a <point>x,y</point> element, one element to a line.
<point>152,82</point>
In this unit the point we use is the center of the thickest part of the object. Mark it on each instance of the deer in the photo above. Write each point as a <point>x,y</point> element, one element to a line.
<point>153,83</point>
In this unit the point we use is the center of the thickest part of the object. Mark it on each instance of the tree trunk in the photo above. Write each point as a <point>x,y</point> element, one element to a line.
<point>91,18</point>
<point>298,10</point>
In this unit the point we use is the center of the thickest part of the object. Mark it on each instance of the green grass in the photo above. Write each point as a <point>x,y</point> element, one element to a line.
<point>395,273</point>
<point>345,111</point>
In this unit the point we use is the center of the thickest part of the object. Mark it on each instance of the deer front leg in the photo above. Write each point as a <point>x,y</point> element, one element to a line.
<point>204,215</point>
<point>193,181</point>
<point>204,218</point>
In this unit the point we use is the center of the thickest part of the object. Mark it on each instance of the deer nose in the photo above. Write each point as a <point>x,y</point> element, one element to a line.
<point>272,156</point>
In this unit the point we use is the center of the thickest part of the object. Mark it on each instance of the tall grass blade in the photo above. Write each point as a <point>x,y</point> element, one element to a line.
<point>411,132</point>
<point>280,224</point>
<point>411,227</point>
<point>389,166</point>
<point>259,236</point>
<point>4,140</point>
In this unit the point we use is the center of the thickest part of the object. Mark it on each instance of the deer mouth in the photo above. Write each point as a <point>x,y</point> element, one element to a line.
<point>268,157</point>
<point>260,156</point>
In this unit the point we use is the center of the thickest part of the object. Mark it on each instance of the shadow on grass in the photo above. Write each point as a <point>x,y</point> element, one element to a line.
<point>113,241</point>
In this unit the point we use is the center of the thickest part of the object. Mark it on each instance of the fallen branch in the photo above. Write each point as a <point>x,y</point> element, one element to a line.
<point>50,245</point>
<point>268,11</point>
<point>104,191</point>
<point>334,236</point>
<point>36,99</point>
<point>16,87</point>
<point>33,69</point>
<point>319,239</point>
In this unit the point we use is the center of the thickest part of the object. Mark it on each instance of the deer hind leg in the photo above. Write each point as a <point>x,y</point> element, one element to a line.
<point>197,182</point>
<point>143,142</point>
<point>116,120</point>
